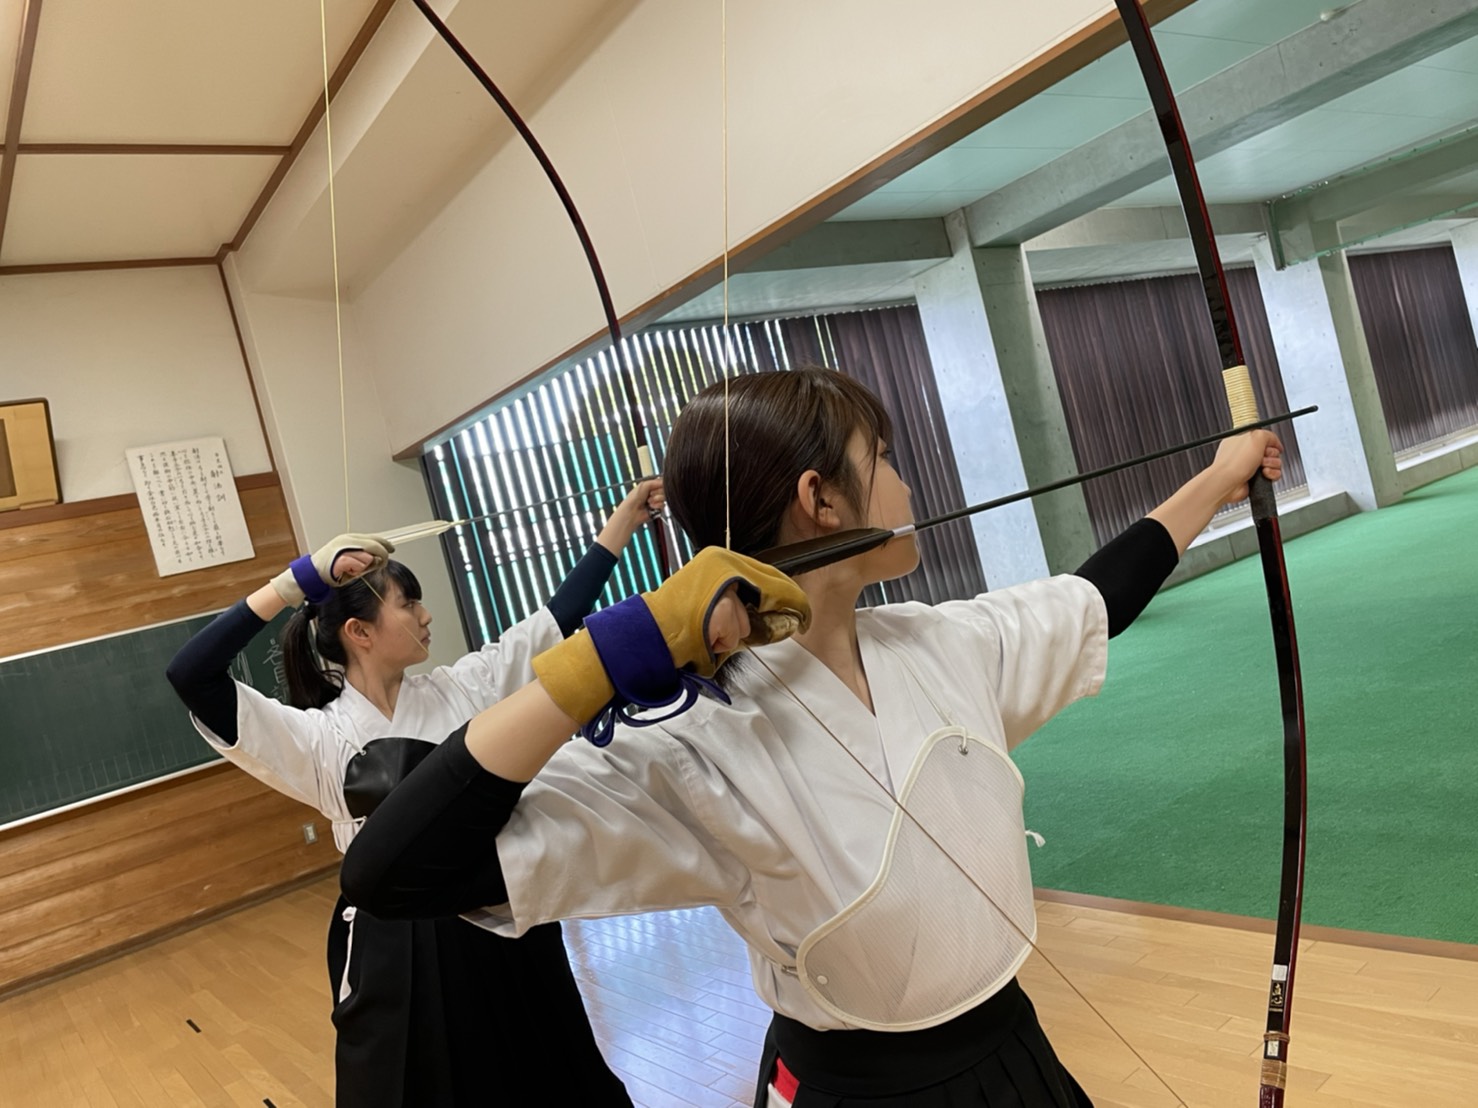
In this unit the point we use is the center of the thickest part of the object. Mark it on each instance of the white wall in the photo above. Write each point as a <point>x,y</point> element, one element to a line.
<point>496,286</point>
<point>293,351</point>
<point>127,358</point>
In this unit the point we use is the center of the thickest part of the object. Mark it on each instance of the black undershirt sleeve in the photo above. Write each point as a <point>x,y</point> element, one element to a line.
<point>1130,569</point>
<point>429,850</point>
<point>201,671</point>
<point>578,592</point>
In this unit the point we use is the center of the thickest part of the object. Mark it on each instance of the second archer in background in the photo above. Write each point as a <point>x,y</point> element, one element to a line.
<point>432,1012</point>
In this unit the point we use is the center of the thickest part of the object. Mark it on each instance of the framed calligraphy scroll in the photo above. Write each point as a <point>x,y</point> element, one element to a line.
<point>188,497</point>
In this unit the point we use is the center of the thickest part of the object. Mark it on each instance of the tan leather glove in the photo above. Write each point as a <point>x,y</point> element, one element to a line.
<point>576,680</point>
<point>297,582</point>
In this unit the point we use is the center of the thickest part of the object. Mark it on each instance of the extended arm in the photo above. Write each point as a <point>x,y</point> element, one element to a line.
<point>1130,569</point>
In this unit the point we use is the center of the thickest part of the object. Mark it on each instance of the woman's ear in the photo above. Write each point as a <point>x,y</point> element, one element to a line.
<point>813,511</point>
<point>357,632</point>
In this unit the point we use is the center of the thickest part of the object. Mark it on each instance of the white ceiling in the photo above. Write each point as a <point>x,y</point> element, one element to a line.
<point>1390,115</point>
<point>105,207</point>
<point>437,130</point>
<point>217,72</point>
<point>162,72</point>
<point>1196,43</point>
<point>180,70</point>
<point>10,34</point>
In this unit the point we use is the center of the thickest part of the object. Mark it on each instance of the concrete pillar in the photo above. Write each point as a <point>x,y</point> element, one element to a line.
<point>1315,323</point>
<point>1000,402</point>
<point>1465,249</point>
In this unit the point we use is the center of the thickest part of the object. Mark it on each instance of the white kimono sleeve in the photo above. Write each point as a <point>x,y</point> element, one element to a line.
<point>295,752</point>
<point>612,832</point>
<point>501,668</point>
<point>1042,646</point>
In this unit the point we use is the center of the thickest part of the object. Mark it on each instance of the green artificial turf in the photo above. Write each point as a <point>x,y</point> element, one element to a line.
<point>1168,787</point>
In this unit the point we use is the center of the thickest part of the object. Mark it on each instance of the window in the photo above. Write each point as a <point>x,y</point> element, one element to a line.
<point>537,477</point>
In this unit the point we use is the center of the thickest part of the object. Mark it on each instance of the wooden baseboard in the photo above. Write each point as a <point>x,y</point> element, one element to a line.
<point>139,942</point>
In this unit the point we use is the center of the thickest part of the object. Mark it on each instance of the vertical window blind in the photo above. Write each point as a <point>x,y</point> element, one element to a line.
<point>538,476</point>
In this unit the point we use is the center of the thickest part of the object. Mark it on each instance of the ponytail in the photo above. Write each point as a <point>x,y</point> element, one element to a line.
<point>313,652</point>
<point>309,685</point>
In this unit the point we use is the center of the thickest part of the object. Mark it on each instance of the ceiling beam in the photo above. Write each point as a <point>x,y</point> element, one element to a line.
<point>213,148</point>
<point>1355,46</point>
<point>19,85</point>
<point>1391,194</point>
<point>1379,182</point>
<point>859,242</point>
<point>1119,226</point>
<point>93,267</point>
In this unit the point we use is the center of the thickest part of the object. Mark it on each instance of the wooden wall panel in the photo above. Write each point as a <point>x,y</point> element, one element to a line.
<point>68,574</point>
<point>111,874</point>
<point>104,877</point>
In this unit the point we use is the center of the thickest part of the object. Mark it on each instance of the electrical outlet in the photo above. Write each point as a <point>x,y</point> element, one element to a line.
<point>310,833</point>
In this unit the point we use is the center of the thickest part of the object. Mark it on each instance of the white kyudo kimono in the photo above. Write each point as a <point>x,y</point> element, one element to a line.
<point>303,754</point>
<point>853,917</point>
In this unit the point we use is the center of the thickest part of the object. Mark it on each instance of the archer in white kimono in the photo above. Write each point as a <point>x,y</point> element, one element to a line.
<point>415,1002</point>
<point>852,810</point>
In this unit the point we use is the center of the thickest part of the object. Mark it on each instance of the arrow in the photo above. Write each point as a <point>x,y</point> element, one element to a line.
<point>802,557</point>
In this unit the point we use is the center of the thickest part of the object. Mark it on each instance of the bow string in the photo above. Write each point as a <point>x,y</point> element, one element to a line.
<point>1264,508</point>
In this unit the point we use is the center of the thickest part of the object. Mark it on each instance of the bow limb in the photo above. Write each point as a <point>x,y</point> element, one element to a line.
<point>1270,544</point>
<point>597,272</point>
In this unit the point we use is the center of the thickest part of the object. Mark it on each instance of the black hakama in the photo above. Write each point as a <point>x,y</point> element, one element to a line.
<point>443,1014</point>
<point>994,1055</point>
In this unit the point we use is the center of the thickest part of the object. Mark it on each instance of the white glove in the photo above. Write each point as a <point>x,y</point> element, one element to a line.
<point>312,576</point>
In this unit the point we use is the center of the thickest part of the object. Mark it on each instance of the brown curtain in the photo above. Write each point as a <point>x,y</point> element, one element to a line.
<point>1421,342</point>
<point>1137,369</point>
<point>885,350</point>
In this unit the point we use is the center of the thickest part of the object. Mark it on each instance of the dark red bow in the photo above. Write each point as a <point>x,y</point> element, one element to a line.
<point>1270,545</point>
<point>608,306</point>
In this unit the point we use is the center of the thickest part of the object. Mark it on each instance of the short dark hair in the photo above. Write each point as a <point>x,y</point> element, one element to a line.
<point>780,425</point>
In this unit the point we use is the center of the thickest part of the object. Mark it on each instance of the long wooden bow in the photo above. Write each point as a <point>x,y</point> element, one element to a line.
<point>1270,544</point>
<point>613,325</point>
<point>1264,510</point>
<point>597,272</point>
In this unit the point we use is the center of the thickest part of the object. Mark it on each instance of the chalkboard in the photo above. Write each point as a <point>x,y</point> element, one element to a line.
<point>82,720</point>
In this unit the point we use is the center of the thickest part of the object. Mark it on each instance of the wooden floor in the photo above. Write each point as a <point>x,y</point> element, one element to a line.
<point>235,1013</point>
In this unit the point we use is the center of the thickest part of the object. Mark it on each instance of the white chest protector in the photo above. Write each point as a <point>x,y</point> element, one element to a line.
<point>924,943</point>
